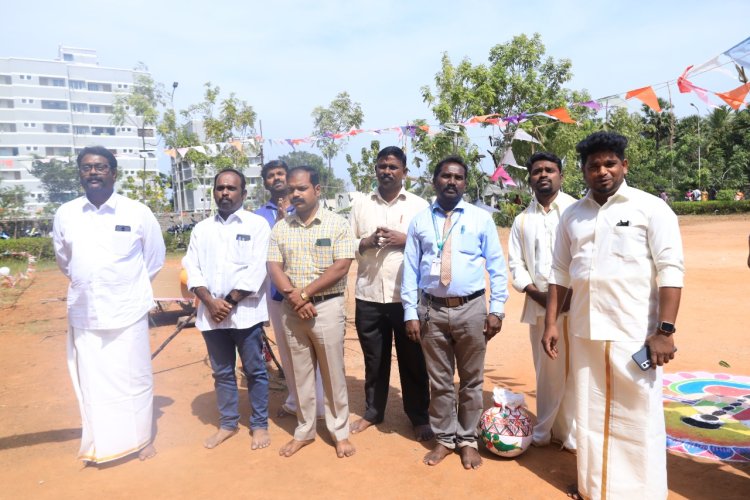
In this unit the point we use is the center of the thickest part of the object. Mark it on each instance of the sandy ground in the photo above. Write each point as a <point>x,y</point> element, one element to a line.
<point>40,423</point>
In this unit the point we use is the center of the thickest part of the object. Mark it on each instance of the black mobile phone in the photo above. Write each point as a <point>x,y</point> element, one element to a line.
<point>643,358</point>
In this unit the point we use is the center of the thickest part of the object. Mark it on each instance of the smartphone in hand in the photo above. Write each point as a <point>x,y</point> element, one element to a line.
<point>643,358</point>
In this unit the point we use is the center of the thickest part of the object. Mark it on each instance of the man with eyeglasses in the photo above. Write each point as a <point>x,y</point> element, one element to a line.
<point>111,248</point>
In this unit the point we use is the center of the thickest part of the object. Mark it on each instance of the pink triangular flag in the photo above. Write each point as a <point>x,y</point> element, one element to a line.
<point>501,174</point>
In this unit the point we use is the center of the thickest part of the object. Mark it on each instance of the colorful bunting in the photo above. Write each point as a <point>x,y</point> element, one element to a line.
<point>522,135</point>
<point>589,104</point>
<point>735,98</point>
<point>647,96</point>
<point>510,160</point>
<point>501,174</point>
<point>561,114</point>
<point>740,53</point>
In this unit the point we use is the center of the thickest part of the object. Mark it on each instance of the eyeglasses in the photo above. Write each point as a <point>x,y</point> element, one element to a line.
<point>99,168</point>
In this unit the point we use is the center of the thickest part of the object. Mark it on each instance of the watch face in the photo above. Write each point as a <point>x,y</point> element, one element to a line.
<point>666,327</point>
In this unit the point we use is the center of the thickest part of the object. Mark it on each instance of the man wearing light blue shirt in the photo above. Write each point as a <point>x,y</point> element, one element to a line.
<point>448,248</point>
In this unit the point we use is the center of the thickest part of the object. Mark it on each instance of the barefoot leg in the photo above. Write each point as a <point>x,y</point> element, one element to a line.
<point>359,425</point>
<point>344,448</point>
<point>293,447</point>
<point>148,452</point>
<point>261,439</point>
<point>437,454</point>
<point>470,458</point>
<point>423,432</point>
<point>219,437</point>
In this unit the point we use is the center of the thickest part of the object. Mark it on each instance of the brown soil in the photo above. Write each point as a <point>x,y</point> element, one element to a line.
<point>40,423</point>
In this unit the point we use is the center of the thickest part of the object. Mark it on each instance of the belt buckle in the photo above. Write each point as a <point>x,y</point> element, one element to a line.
<point>453,301</point>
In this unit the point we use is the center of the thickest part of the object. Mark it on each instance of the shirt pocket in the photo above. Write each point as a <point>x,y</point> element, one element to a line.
<point>322,256</point>
<point>123,243</point>
<point>241,251</point>
<point>629,242</point>
<point>469,242</point>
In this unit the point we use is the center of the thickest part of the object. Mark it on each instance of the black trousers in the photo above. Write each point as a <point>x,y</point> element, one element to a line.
<point>378,325</point>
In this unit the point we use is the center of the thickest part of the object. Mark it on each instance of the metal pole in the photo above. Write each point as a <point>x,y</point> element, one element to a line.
<point>699,145</point>
<point>176,181</point>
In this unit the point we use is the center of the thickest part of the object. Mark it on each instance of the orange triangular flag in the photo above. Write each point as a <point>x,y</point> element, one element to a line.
<point>647,96</point>
<point>735,98</point>
<point>561,114</point>
<point>171,152</point>
<point>237,145</point>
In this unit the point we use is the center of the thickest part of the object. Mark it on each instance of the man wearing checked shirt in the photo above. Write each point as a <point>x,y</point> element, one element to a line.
<point>448,247</point>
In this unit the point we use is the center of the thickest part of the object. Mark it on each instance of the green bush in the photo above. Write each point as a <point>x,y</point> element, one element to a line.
<point>41,248</point>
<point>710,207</point>
<point>507,213</point>
<point>725,194</point>
<point>176,243</point>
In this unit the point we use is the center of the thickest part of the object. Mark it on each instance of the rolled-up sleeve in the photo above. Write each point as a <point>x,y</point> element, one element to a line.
<point>560,273</point>
<point>665,242</point>
<point>410,276</point>
<point>154,251</point>
<point>191,261</point>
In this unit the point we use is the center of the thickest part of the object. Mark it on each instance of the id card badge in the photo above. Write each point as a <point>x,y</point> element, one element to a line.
<point>435,267</point>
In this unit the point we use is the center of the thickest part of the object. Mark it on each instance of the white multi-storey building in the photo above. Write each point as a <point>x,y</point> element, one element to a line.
<point>54,108</point>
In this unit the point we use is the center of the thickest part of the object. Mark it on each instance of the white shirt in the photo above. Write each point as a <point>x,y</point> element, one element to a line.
<point>615,258</point>
<point>379,270</point>
<point>530,247</point>
<point>110,255</point>
<point>230,255</point>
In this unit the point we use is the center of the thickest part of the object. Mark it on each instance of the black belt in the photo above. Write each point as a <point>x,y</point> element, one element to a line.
<point>317,299</point>
<point>452,301</point>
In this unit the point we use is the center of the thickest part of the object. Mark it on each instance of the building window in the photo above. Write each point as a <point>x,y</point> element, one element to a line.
<point>80,130</point>
<point>99,87</point>
<point>77,84</point>
<point>27,101</point>
<point>29,125</point>
<point>67,57</point>
<point>8,151</point>
<point>7,103</point>
<point>11,176</point>
<point>57,128</point>
<point>102,131</point>
<point>79,107</point>
<point>54,104</point>
<point>57,151</point>
<point>32,148</point>
<point>145,132</point>
<point>51,82</point>
<point>5,80</point>
<point>99,108</point>
<point>7,127</point>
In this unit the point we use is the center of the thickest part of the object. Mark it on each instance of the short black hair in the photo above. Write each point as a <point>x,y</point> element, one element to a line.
<point>450,159</point>
<point>393,151</point>
<point>100,151</point>
<point>602,141</point>
<point>235,172</point>
<point>314,176</point>
<point>543,156</point>
<point>272,165</point>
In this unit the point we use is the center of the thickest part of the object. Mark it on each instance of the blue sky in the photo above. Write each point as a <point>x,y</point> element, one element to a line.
<point>286,57</point>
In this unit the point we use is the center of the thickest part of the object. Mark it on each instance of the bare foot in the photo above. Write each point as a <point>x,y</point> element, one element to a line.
<point>285,411</point>
<point>423,432</point>
<point>470,458</point>
<point>147,452</point>
<point>293,447</point>
<point>344,448</point>
<point>359,425</point>
<point>437,454</point>
<point>261,439</point>
<point>216,439</point>
<point>572,492</point>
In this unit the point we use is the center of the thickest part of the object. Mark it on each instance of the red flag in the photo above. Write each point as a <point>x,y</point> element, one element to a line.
<point>561,114</point>
<point>501,174</point>
<point>735,98</point>
<point>647,96</point>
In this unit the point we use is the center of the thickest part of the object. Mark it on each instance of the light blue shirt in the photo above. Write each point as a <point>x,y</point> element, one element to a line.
<point>474,247</point>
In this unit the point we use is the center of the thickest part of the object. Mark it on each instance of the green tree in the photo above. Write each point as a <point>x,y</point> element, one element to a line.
<point>362,172</point>
<point>154,194</point>
<point>329,183</point>
<point>59,179</point>
<point>340,116</point>
<point>140,107</point>
<point>12,201</point>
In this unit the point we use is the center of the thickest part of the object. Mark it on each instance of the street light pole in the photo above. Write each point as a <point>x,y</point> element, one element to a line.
<point>176,182</point>
<point>699,144</point>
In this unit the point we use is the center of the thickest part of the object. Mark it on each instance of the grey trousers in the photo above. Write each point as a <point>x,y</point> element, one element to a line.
<point>454,339</point>
<point>319,342</point>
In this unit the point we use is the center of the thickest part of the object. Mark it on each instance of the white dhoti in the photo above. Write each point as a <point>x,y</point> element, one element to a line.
<point>620,423</point>
<point>113,380</point>
<point>555,388</point>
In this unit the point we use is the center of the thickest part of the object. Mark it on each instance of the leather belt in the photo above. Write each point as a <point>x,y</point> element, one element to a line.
<point>452,301</point>
<point>317,299</point>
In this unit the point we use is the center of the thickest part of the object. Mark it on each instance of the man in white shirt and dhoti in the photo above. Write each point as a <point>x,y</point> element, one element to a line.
<point>110,247</point>
<point>620,251</point>
<point>530,246</point>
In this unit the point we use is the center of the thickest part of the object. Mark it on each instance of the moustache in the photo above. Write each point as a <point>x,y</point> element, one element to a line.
<point>297,200</point>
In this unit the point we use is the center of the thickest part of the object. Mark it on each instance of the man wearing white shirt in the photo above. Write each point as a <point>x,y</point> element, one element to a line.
<point>226,267</point>
<point>530,246</point>
<point>110,247</point>
<point>619,249</point>
<point>379,223</point>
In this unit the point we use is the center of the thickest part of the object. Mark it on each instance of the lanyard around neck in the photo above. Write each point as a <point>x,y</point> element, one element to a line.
<point>441,241</point>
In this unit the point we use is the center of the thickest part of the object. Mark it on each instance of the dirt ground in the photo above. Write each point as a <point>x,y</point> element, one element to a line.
<point>40,423</point>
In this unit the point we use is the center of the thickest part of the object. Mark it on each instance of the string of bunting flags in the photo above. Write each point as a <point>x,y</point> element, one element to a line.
<point>734,98</point>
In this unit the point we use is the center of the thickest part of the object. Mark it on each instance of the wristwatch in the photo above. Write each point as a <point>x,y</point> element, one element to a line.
<point>229,299</point>
<point>500,316</point>
<point>666,328</point>
<point>304,296</point>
